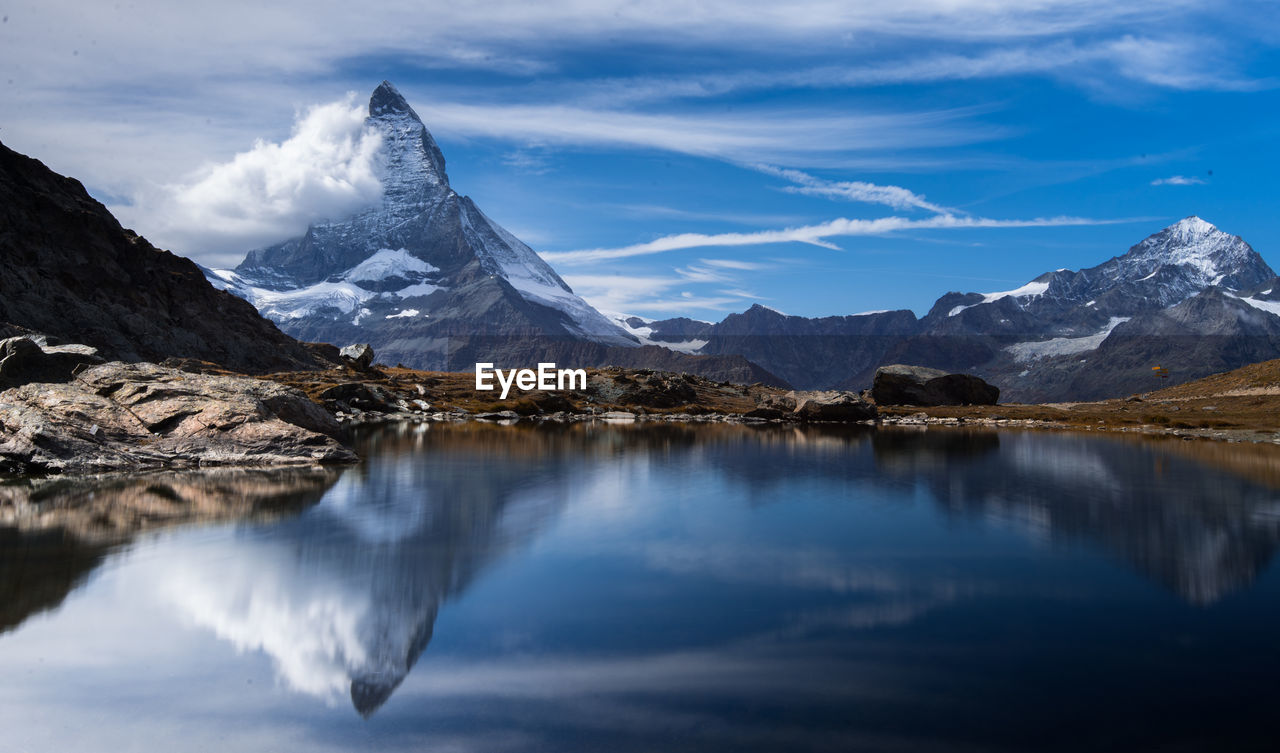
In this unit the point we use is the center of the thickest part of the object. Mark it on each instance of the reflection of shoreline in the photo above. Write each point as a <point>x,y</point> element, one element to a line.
<point>1190,518</point>
<point>55,531</point>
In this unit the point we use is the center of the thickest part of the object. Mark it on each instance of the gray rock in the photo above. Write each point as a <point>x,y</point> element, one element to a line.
<point>25,359</point>
<point>361,354</point>
<point>828,405</point>
<point>141,416</point>
<point>356,395</point>
<point>900,384</point>
<point>831,405</point>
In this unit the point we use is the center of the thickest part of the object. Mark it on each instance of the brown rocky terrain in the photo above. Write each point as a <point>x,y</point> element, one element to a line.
<point>388,394</point>
<point>1239,405</point>
<point>1243,404</point>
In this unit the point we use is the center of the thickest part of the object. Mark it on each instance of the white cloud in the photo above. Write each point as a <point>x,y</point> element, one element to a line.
<point>812,234</point>
<point>1182,63</point>
<point>1178,180</point>
<point>327,168</point>
<point>746,266</point>
<point>781,136</point>
<point>645,294</point>
<point>696,273</point>
<point>854,190</point>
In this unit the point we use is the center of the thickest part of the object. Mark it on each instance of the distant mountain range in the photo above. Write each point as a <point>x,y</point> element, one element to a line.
<point>432,282</point>
<point>1190,298</point>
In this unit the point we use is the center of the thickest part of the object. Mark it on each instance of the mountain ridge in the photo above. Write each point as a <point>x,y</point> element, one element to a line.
<point>1034,341</point>
<point>73,273</point>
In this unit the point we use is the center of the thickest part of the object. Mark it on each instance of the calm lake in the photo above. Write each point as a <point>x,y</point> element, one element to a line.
<point>663,587</point>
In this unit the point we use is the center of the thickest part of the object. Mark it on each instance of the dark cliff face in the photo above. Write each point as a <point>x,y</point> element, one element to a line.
<point>73,273</point>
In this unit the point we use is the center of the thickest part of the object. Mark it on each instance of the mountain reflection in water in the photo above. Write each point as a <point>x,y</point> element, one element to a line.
<point>342,585</point>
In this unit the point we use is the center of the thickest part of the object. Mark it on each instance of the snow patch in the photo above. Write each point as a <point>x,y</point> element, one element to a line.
<point>643,333</point>
<point>416,290</point>
<point>1030,290</point>
<point>406,314</point>
<point>387,264</point>
<point>1271,307</point>
<point>1062,346</point>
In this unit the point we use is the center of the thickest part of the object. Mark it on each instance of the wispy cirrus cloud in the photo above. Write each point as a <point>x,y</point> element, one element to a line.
<point>782,136</point>
<point>1178,180</point>
<point>817,235</point>
<point>738,264</point>
<point>1180,62</point>
<point>854,190</point>
<point>648,294</point>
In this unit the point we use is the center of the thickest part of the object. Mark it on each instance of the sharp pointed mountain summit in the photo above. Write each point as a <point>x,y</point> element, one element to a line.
<point>432,282</point>
<point>422,275</point>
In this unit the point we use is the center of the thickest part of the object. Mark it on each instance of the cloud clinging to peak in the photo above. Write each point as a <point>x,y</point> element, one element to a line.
<point>326,169</point>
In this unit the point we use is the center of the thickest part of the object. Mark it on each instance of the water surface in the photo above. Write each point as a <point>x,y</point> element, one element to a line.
<point>655,587</point>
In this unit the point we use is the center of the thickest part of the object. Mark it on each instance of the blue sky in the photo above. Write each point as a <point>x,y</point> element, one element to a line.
<point>680,158</point>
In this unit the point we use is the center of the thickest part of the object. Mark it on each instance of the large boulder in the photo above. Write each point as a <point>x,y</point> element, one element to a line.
<point>121,416</point>
<point>350,395</point>
<point>27,359</point>
<point>900,384</point>
<point>359,355</point>
<point>828,405</point>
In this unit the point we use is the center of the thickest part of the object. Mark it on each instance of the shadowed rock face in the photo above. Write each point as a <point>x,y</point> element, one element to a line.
<point>24,359</point>
<point>72,272</point>
<point>139,416</point>
<point>899,384</point>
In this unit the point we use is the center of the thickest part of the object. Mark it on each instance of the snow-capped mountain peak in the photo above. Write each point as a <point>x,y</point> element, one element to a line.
<point>1206,252</point>
<point>413,169</point>
<point>1162,270</point>
<point>424,249</point>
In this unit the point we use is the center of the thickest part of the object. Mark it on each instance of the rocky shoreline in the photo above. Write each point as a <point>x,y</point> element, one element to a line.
<point>140,416</point>
<point>71,414</point>
<point>378,396</point>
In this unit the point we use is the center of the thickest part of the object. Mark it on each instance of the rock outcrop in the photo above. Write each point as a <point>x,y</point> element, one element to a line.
<point>360,355</point>
<point>121,416</point>
<point>900,384</point>
<point>73,273</point>
<point>828,405</point>
<point>26,359</point>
